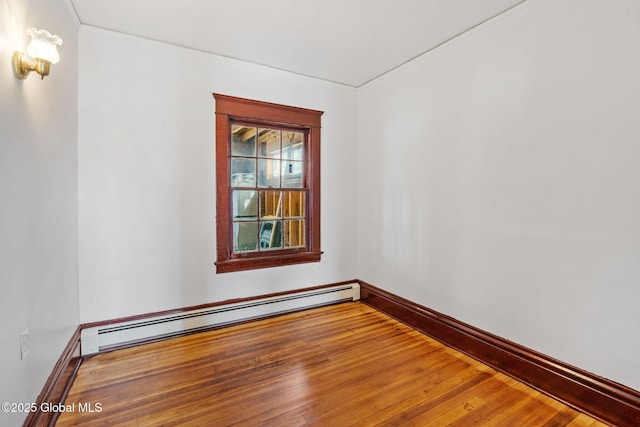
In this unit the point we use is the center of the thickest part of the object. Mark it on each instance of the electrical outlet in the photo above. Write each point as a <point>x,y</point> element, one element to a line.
<point>25,344</point>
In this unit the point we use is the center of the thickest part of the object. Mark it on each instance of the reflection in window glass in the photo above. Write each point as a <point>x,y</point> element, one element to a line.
<point>294,233</point>
<point>245,205</point>
<point>243,141</point>
<point>292,174</point>
<point>243,172</point>
<point>269,173</point>
<point>245,236</point>
<point>269,143</point>
<point>292,145</point>
<point>271,235</point>
<point>293,202</point>
<point>270,204</point>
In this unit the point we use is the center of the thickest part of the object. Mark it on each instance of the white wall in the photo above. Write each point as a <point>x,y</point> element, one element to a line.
<point>499,181</point>
<point>38,202</point>
<point>146,149</point>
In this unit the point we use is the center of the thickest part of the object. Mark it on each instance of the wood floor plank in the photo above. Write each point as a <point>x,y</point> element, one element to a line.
<point>342,365</point>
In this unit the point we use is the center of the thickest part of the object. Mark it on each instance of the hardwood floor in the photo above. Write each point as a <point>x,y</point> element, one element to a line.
<point>341,365</point>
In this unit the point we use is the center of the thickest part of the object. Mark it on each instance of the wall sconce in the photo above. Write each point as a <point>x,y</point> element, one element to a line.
<point>43,51</point>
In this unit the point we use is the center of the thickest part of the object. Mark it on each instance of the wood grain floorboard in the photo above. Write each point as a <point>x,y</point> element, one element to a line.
<point>343,365</point>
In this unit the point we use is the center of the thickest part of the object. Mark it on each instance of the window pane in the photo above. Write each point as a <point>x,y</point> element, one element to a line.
<point>269,143</point>
<point>245,236</point>
<point>245,205</point>
<point>292,145</point>
<point>294,233</point>
<point>243,172</point>
<point>269,173</point>
<point>243,140</point>
<point>292,174</point>
<point>270,204</point>
<point>293,202</point>
<point>271,235</point>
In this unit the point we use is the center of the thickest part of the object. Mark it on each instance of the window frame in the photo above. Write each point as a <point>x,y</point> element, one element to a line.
<point>233,109</point>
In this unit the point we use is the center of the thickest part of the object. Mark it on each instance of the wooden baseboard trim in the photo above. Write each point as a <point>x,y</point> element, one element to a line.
<point>599,397</point>
<point>57,386</point>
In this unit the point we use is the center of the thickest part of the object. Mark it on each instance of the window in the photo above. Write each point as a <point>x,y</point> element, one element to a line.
<point>268,184</point>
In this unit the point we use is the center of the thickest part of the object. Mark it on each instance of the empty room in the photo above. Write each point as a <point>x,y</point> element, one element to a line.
<point>420,212</point>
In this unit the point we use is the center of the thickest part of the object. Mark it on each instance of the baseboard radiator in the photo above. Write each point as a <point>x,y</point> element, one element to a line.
<point>124,334</point>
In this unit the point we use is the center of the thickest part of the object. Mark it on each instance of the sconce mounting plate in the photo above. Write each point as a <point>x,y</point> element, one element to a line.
<point>19,61</point>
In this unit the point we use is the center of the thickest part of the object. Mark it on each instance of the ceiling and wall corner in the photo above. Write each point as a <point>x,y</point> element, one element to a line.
<point>349,42</point>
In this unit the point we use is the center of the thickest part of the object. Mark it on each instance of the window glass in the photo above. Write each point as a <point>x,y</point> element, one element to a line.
<point>269,143</point>
<point>245,236</point>
<point>269,173</point>
<point>294,233</point>
<point>266,161</point>
<point>293,204</point>
<point>245,205</point>
<point>243,172</point>
<point>243,141</point>
<point>270,204</point>
<point>274,163</point>
<point>271,235</point>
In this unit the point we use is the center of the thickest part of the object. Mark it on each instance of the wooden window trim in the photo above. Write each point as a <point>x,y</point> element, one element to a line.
<point>228,109</point>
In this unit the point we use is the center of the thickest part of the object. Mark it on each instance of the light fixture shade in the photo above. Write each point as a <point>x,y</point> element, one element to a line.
<point>43,45</point>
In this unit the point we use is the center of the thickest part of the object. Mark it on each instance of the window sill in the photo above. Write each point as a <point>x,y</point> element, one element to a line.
<point>240,264</point>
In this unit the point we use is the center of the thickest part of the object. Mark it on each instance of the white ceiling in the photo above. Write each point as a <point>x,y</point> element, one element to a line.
<point>345,41</point>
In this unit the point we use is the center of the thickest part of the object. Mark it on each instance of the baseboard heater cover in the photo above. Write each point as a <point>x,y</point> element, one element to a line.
<point>116,335</point>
